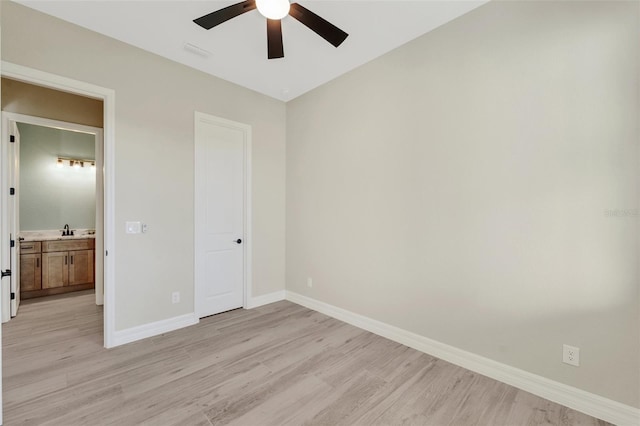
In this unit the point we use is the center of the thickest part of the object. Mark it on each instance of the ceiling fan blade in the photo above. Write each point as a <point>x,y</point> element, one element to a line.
<point>274,39</point>
<point>320,26</point>
<point>223,15</point>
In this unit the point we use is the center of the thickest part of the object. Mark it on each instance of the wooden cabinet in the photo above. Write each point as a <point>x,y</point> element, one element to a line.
<point>81,267</point>
<point>30,247</point>
<point>62,266</point>
<point>30,272</point>
<point>67,245</point>
<point>55,269</point>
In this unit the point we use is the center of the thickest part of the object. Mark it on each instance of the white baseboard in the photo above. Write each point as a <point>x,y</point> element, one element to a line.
<point>586,402</point>
<point>265,299</point>
<point>164,326</point>
<point>153,329</point>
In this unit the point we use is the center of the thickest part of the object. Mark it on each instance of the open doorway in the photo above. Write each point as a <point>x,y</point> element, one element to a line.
<point>56,182</point>
<point>106,98</point>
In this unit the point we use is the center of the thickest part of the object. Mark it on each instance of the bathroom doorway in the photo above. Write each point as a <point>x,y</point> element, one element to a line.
<point>89,95</point>
<point>58,203</point>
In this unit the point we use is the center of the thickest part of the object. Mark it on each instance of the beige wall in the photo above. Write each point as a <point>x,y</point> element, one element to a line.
<point>155,104</point>
<point>461,187</point>
<point>29,99</point>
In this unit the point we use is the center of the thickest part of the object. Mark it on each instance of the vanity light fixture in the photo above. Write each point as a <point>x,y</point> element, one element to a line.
<point>76,163</point>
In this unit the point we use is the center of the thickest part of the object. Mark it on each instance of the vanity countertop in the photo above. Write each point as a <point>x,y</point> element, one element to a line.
<point>51,235</point>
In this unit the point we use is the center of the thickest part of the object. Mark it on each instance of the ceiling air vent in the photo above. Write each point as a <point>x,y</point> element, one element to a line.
<point>197,50</point>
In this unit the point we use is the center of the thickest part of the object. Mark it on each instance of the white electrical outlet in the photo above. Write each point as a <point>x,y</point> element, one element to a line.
<point>175,297</point>
<point>571,355</point>
<point>309,282</point>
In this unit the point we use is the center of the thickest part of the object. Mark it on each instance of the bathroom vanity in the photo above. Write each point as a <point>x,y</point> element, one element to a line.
<point>53,264</point>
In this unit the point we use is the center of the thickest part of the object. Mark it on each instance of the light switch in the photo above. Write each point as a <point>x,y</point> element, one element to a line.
<point>133,227</point>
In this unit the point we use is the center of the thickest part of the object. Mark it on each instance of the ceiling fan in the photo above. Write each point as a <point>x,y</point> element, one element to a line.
<point>274,11</point>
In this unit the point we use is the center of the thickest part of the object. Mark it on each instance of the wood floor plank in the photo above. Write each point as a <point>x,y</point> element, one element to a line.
<point>395,392</point>
<point>297,394</point>
<point>35,389</point>
<point>280,364</point>
<point>353,394</point>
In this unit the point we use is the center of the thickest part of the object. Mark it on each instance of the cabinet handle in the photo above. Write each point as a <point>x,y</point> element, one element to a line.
<point>37,262</point>
<point>65,260</point>
<point>72,260</point>
<point>26,247</point>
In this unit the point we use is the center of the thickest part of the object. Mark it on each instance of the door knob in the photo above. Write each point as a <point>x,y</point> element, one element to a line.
<point>238,241</point>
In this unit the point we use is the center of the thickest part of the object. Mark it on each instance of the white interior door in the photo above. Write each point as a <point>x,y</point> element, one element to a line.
<point>14,216</point>
<point>5,213</point>
<point>220,184</point>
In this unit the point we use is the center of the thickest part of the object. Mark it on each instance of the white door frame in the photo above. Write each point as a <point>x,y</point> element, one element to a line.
<point>53,81</point>
<point>8,117</point>
<point>248,234</point>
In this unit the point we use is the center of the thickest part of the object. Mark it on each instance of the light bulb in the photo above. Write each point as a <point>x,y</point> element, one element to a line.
<point>93,164</point>
<point>76,164</point>
<point>273,9</point>
<point>60,163</point>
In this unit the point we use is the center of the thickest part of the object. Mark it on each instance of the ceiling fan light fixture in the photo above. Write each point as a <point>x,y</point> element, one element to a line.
<point>273,9</point>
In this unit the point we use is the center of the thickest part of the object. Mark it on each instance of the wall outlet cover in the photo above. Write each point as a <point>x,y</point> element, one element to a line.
<point>571,355</point>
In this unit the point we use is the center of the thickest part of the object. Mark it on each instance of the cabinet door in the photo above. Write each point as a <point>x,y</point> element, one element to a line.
<point>55,269</point>
<point>30,272</point>
<point>80,267</point>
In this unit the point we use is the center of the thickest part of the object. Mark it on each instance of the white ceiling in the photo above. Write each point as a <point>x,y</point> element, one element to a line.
<point>239,47</point>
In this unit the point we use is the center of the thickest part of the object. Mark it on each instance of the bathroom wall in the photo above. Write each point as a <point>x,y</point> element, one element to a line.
<point>52,196</point>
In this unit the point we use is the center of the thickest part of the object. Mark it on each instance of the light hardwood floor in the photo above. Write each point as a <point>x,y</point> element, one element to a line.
<point>279,364</point>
